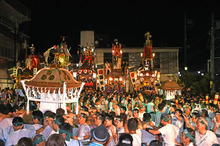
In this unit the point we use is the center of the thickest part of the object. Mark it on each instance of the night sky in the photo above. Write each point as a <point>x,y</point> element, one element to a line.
<point>126,20</point>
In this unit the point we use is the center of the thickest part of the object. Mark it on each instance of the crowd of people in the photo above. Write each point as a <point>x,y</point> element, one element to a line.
<point>122,119</point>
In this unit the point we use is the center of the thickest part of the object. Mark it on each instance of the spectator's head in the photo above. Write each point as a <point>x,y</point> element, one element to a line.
<point>100,134</point>
<point>201,124</point>
<point>49,114</point>
<point>109,120</point>
<point>188,136</point>
<point>24,141</point>
<point>37,117</point>
<point>82,118</point>
<point>2,143</point>
<point>135,113</point>
<point>55,140</point>
<point>160,107</point>
<point>39,140</point>
<point>155,143</point>
<point>142,108</point>
<point>60,111</point>
<point>100,119</point>
<point>187,110</point>
<point>172,108</point>
<point>66,130</point>
<point>125,140</point>
<point>217,116</point>
<point>123,109</point>
<point>92,110</point>
<point>165,119</point>
<point>132,125</point>
<point>146,117</point>
<point>178,112</point>
<point>58,120</point>
<point>17,123</point>
<point>119,122</point>
<point>215,144</point>
<point>195,117</point>
<point>205,113</point>
<point>84,110</point>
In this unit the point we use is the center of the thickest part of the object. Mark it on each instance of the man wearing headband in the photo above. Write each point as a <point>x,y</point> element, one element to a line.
<point>206,116</point>
<point>115,108</point>
<point>141,111</point>
<point>46,129</point>
<point>84,110</point>
<point>19,132</point>
<point>169,131</point>
<point>122,109</point>
<point>192,124</point>
<point>99,119</point>
<point>135,113</point>
<point>216,128</point>
<point>66,130</point>
<point>37,117</point>
<point>203,136</point>
<point>84,129</point>
<point>109,124</point>
<point>188,137</point>
<point>57,121</point>
<point>119,124</point>
<point>39,140</point>
<point>147,137</point>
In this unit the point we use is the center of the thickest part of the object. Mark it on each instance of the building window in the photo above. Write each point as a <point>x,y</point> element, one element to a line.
<point>107,57</point>
<point>157,62</point>
<point>125,57</point>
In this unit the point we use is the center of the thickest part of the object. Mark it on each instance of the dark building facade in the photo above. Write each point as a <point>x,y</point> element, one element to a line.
<point>14,25</point>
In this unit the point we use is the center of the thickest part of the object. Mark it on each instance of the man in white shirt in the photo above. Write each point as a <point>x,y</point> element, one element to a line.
<point>203,136</point>
<point>119,123</point>
<point>5,125</point>
<point>84,129</point>
<point>216,128</point>
<point>141,112</point>
<point>169,131</point>
<point>146,136</point>
<point>132,127</point>
<point>19,132</point>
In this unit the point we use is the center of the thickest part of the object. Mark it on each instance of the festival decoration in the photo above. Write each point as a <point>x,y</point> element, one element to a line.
<point>86,71</point>
<point>114,75</point>
<point>52,85</point>
<point>207,99</point>
<point>61,54</point>
<point>216,98</point>
<point>171,88</point>
<point>146,77</point>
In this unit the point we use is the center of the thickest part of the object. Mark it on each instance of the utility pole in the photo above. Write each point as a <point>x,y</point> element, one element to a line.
<point>212,55</point>
<point>185,42</point>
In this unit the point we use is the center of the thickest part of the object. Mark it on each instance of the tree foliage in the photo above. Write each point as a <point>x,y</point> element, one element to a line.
<point>199,85</point>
